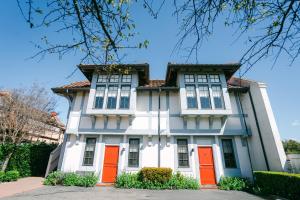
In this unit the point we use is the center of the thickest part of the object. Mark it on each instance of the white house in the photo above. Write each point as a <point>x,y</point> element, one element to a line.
<point>199,121</point>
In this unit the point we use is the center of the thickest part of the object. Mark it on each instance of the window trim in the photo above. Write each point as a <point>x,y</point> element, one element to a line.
<point>139,152</point>
<point>117,91</point>
<point>209,96</point>
<point>99,85</point>
<point>186,97</point>
<point>222,96</point>
<point>94,151</point>
<point>188,154</point>
<point>124,85</point>
<point>233,151</point>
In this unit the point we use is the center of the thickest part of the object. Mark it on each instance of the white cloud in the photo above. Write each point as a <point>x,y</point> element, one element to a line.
<point>296,122</point>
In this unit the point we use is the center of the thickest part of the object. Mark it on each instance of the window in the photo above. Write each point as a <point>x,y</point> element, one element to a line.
<point>88,159</point>
<point>133,155</point>
<point>114,78</point>
<point>124,97</point>
<point>112,97</point>
<point>126,79</point>
<point>183,154</point>
<point>191,97</point>
<point>214,78</point>
<point>228,152</point>
<point>99,97</point>
<point>202,79</point>
<point>217,96</point>
<point>204,96</point>
<point>102,78</point>
<point>189,78</point>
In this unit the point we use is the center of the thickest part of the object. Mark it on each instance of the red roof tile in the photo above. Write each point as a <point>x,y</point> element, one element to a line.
<point>78,84</point>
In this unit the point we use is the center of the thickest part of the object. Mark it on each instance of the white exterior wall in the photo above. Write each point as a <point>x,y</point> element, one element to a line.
<point>200,130</point>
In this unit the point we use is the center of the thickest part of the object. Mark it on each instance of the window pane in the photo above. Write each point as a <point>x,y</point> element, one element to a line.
<point>214,78</point>
<point>126,78</point>
<point>191,97</point>
<point>112,97</point>
<point>202,78</point>
<point>99,96</point>
<point>89,151</point>
<point>183,154</point>
<point>217,96</point>
<point>228,152</point>
<point>133,154</point>
<point>114,78</point>
<point>189,78</point>
<point>102,78</point>
<point>204,96</point>
<point>124,98</point>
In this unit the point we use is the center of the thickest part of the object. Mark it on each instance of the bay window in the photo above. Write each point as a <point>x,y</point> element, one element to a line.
<point>124,97</point>
<point>133,154</point>
<point>112,97</point>
<point>191,96</point>
<point>217,96</point>
<point>183,154</point>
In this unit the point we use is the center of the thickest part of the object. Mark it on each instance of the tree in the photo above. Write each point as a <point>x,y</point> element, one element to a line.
<point>23,112</point>
<point>291,146</point>
<point>101,28</point>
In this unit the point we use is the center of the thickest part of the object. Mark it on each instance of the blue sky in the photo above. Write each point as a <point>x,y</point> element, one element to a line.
<point>18,71</point>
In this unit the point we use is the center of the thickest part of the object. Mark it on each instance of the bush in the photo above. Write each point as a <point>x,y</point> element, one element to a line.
<point>54,178</point>
<point>234,183</point>
<point>2,175</point>
<point>11,175</point>
<point>155,175</point>
<point>28,159</point>
<point>71,179</point>
<point>176,181</point>
<point>278,183</point>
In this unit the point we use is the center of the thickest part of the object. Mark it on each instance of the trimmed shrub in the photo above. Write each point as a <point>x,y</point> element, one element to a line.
<point>71,179</point>
<point>177,181</point>
<point>155,175</point>
<point>54,178</point>
<point>12,175</point>
<point>278,183</point>
<point>234,183</point>
<point>2,176</point>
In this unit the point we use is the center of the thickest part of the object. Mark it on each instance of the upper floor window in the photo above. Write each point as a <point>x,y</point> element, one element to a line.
<point>204,96</point>
<point>133,154</point>
<point>102,78</point>
<point>126,78</point>
<point>202,78</point>
<point>228,153</point>
<point>99,96</point>
<point>112,97</point>
<point>88,159</point>
<point>183,154</point>
<point>114,78</point>
<point>191,96</point>
<point>124,96</point>
<point>214,78</point>
<point>217,96</point>
<point>189,78</point>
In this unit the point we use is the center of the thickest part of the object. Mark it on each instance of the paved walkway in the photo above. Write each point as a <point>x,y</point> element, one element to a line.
<point>20,186</point>
<point>110,193</point>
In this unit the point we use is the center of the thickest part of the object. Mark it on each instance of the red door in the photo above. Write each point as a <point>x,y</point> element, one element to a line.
<point>110,166</point>
<point>206,165</point>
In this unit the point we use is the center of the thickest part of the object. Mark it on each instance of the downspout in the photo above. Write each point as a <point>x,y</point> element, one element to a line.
<point>247,131</point>
<point>259,131</point>
<point>158,126</point>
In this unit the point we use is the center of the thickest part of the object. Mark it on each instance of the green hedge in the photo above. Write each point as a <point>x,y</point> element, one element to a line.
<point>28,159</point>
<point>278,183</point>
<point>71,179</point>
<point>9,176</point>
<point>176,181</point>
<point>155,174</point>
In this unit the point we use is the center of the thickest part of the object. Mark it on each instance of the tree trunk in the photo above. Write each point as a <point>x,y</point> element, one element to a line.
<point>5,163</point>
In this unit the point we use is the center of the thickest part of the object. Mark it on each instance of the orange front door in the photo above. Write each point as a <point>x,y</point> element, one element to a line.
<point>110,165</point>
<point>206,165</point>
